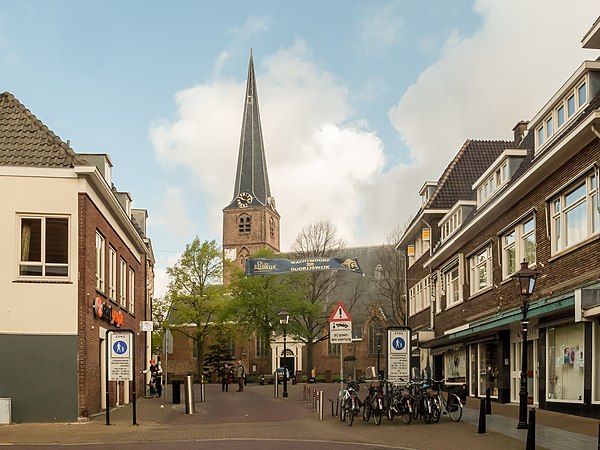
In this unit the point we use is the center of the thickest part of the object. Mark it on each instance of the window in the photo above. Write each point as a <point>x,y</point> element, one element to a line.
<point>455,365</point>
<point>566,362</point>
<point>123,283</point>
<point>44,246</point>
<point>518,244</point>
<point>262,346</point>
<point>571,105</point>
<point>455,220</point>
<point>357,331</point>
<point>549,127</point>
<point>272,227</point>
<point>100,261</point>
<point>575,214</point>
<point>581,95</point>
<point>453,294</point>
<point>112,273</point>
<point>560,115</point>
<point>492,183</point>
<point>244,223</point>
<point>420,296</point>
<point>332,349</point>
<point>131,291</point>
<point>488,368</point>
<point>481,270</point>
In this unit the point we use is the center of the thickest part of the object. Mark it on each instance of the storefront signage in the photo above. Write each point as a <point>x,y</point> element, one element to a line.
<point>264,266</point>
<point>103,310</point>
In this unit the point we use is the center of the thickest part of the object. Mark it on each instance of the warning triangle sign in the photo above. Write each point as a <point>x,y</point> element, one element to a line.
<point>340,314</point>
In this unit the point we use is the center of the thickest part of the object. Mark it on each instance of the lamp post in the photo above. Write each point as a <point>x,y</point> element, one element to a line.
<point>378,334</point>
<point>524,281</point>
<point>284,318</point>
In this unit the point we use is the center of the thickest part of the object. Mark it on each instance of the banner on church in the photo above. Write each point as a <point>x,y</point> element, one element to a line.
<point>264,266</point>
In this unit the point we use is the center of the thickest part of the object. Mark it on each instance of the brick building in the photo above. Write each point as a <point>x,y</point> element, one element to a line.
<point>77,263</point>
<point>534,199</point>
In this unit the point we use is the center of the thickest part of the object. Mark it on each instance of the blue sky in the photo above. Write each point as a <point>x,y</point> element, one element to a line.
<point>361,101</point>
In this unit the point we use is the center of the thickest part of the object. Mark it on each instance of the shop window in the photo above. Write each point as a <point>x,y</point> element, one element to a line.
<point>565,362</point>
<point>455,366</point>
<point>488,368</point>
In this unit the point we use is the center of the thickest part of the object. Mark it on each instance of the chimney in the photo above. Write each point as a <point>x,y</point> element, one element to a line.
<point>520,130</point>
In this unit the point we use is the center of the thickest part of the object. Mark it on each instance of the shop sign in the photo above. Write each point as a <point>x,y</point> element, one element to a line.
<point>103,310</point>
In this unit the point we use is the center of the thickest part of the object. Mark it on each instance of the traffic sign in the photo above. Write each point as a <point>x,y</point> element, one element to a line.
<point>398,355</point>
<point>340,314</point>
<point>120,362</point>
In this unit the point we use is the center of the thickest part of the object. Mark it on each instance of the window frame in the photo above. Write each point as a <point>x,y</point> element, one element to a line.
<point>476,264</point>
<point>559,212</point>
<point>100,262</point>
<point>112,273</point>
<point>122,283</point>
<point>131,291</point>
<point>518,245</point>
<point>43,262</point>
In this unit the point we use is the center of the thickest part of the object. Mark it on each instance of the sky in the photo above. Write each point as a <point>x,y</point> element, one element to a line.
<point>361,101</point>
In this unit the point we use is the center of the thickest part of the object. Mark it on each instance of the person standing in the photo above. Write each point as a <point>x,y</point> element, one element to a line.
<point>158,378</point>
<point>224,378</point>
<point>241,373</point>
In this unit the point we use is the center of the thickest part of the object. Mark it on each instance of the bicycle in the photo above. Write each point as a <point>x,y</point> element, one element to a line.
<point>422,406</point>
<point>451,405</point>
<point>350,402</point>
<point>373,404</point>
<point>149,389</point>
<point>401,404</point>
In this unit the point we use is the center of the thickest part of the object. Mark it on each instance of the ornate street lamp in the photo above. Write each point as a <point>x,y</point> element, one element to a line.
<point>524,281</point>
<point>284,318</point>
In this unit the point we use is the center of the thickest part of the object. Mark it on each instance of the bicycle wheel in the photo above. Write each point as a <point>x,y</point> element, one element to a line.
<point>147,392</point>
<point>455,407</point>
<point>342,414</point>
<point>390,412</point>
<point>377,414</point>
<point>416,408</point>
<point>426,409</point>
<point>350,417</point>
<point>436,409</point>
<point>406,411</point>
<point>367,409</point>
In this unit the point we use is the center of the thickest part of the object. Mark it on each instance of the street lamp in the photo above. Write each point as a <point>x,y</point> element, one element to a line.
<point>284,318</point>
<point>524,281</point>
<point>378,333</point>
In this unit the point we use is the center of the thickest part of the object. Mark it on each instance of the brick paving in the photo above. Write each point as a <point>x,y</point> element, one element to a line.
<point>256,415</point>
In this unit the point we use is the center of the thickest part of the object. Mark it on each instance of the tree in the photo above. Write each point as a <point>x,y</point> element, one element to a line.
<point>160,312</point>
<point>256,301</point>
<point>390,280</point>
<point>196,293</point>
<point>308,313</point>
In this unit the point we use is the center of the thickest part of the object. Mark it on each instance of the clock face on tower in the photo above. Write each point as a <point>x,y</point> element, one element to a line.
<point>244,199</point>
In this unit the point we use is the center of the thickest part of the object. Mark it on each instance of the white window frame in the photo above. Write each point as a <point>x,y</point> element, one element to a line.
<point>100,261</point>
<point>481,260</point>
<point>559,212</point>
<point>518,245</point>
<point>131,291</point>
<point>112,273</point>
<point>43,264</point>
<point>122,283</point>
<point>450,281</point>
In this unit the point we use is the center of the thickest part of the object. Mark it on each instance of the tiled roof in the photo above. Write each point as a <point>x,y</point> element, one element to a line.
<point>471,161</point>
<point>26,141</point>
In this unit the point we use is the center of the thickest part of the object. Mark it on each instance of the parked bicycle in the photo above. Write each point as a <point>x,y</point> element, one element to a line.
<point>350,402</point>
<point>401,404</point>
<point>149,389</point>
<point>422,406</point>
<point>373,404</point>
<point>451,405</point>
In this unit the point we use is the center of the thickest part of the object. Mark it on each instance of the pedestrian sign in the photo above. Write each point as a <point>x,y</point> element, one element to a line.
<point>120,345</point>
<point>120,362</point>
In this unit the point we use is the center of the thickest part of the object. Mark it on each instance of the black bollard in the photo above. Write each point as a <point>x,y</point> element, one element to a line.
<point>531,431</point>
<point>488,402</point>
<point>481,428</point>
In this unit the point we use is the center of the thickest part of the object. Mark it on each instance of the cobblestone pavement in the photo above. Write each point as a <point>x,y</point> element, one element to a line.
<point>256,416</point>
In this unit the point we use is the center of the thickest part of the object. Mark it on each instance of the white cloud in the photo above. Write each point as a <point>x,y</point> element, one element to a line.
<point>380,27</point>
<point>253,26</point>
<point>172,213</point>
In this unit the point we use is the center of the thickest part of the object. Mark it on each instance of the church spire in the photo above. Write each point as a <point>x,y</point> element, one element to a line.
<point>251,181</point>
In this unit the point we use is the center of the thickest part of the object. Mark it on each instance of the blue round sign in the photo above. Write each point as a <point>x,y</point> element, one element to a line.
<point>120,347</point>
<point>398,343</point>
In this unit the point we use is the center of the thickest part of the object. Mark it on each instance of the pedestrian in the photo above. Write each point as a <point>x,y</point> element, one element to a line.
<point>225,378</point>
<point>158,378</point>
<point>313,375</point>
<point>241,373</point>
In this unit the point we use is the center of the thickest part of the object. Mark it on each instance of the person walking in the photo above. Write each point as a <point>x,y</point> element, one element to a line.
<point>241,373</point>
<point>224,378</point>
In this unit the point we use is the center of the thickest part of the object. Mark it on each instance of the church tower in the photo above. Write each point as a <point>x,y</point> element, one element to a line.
<point>250,221</point>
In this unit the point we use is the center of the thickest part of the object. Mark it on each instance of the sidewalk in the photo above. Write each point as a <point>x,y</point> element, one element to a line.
<point>256,415</point>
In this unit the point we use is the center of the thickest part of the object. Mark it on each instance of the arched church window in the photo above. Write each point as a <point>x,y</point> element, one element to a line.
<point>272,227</point>
<point>244,223</point>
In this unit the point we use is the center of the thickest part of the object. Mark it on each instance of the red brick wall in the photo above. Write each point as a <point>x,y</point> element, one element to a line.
<point>90,220</point>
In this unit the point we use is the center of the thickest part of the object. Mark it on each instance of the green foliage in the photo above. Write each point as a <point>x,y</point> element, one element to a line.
<point>219,353</point>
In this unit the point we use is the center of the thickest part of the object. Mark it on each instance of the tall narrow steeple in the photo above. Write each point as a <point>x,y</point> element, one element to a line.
<point>250,221</point>
<point>251,180</point>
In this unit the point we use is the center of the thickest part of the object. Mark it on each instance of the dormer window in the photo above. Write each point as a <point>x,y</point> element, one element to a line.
<point>562,112</point>
<point>427,191</point>
<point>454,219</point>
<point>498,174</point>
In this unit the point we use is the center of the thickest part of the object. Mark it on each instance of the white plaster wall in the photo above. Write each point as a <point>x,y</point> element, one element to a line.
<point>36,308</point>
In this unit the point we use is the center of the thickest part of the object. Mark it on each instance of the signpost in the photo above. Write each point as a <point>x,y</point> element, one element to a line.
<point>340,332</point>
<point>120,356</point>
<point>398,355</point>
